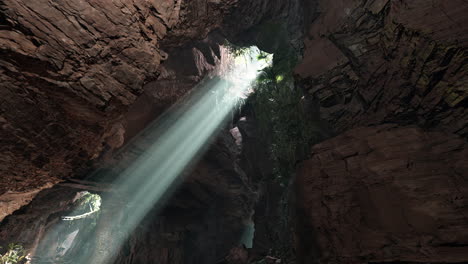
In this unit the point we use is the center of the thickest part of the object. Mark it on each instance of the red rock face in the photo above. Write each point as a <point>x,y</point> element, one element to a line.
<point>371,62</point>
<point>80,78</point>
<point>70,69</point>
<point>386,193</point>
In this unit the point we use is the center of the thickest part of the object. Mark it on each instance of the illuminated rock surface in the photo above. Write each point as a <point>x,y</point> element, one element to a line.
<point>79,79</point>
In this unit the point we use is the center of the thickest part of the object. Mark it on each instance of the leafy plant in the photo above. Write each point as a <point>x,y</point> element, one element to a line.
<point>14,254</point>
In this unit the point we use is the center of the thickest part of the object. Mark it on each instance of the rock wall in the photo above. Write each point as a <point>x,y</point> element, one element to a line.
<point>386,194</point>
<point>390,78</point>
<point>70,69</point>
<point>78,79</point>
<point>75,77</point>
<point>371,62</point>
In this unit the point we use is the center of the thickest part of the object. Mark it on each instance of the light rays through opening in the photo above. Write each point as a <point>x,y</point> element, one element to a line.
<point>178,140</point>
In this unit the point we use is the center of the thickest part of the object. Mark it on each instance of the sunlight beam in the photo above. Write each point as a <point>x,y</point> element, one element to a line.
<point>178,141</point>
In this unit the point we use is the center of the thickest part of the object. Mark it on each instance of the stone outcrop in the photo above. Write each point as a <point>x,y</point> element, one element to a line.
<point>385,194</point>
<point>380,193</point>
<point>69,71</point>
<point>371,62</point>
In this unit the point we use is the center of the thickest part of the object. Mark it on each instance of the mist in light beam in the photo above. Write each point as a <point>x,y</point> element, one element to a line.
<point>180,137</point>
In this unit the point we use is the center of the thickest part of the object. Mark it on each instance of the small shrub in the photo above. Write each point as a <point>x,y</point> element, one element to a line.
<point>14,255</point>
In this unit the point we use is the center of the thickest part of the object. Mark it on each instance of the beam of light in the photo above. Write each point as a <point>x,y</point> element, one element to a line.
<point>179,137</point>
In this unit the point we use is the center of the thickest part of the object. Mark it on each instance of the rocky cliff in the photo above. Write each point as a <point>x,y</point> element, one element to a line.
<point>371,62</point>
<point>70,70</point>
<point>386,194</point>
<point>390,78</point>
<point>79,79</point>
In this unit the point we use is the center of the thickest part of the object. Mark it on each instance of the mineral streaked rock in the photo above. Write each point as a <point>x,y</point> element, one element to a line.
<point>383,194</point>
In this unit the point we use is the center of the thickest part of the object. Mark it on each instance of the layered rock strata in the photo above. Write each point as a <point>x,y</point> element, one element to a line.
<point>385,194</point>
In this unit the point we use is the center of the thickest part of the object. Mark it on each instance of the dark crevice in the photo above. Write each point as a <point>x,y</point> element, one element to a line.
<point>436,78</point>
<point>4,24</point>
<point>28,64</point>
<point>448,57</point>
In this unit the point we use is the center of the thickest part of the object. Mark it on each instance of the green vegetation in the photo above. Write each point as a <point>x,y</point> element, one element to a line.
<point>279,108</point>
<point>14,254</point>
<point>86,205</point>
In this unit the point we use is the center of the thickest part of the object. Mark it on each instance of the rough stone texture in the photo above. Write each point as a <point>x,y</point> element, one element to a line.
<point>70,69</point>
<point>269,23</point>
<point>371,62</point>
<point>386,194</point>
<point>12,201</point>
<point>200,224</point>
<point>67,67</point>
<point>81,78</point>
